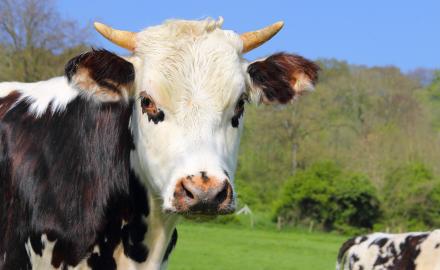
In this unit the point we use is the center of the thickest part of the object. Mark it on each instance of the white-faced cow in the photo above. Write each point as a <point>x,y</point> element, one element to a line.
<point>79,152</point>
<point>382,251</point>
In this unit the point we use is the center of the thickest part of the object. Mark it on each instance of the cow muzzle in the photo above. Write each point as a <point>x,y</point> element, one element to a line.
<point>203,195</point>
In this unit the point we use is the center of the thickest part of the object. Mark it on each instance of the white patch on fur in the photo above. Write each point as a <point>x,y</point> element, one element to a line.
<point>55,91</point>
<point>44,261</point>
<point>429,252</point>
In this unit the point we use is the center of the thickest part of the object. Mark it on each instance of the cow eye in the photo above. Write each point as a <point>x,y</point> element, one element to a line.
<point>149,107</point>
<point>239,109</point>
<point>146,103</point>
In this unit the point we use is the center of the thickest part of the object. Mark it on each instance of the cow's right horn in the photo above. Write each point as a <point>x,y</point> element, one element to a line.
<point>124,39</point>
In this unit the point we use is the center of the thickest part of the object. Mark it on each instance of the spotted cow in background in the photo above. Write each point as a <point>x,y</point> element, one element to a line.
<point>97,166</point>
<point>381,251</point>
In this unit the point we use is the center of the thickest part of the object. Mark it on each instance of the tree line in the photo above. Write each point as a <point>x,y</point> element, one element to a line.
<point>365,129</point>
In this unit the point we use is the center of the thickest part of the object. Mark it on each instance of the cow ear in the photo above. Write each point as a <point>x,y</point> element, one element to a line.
<point>281,78</point>
<point>102,75</point>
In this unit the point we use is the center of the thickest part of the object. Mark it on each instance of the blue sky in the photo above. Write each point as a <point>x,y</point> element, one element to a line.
<point>374,33</point>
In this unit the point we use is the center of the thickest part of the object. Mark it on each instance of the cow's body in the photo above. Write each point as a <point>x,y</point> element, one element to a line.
<point>96,166</point>
<point>68,194</point>
<point>381,251</point>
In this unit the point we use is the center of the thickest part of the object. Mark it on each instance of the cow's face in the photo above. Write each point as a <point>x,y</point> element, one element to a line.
<point>191,87</point>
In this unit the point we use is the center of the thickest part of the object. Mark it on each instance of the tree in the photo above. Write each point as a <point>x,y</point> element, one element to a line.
<point>35,41</point>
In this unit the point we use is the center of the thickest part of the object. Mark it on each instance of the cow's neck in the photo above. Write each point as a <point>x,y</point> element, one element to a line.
<point>160,236</point>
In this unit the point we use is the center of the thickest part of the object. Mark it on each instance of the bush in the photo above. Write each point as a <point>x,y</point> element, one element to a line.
<point>330,198</point>
<point>412,197</point>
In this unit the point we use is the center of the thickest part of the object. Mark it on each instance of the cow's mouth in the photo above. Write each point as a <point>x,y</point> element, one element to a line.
<point>203,213</point>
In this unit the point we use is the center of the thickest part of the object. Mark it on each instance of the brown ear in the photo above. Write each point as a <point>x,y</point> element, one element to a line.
<point>281,77</point>
<point>102,75</point>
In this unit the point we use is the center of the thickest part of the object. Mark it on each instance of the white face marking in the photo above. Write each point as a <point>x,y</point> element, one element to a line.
<point>195,75</point>
<point>55,91</point>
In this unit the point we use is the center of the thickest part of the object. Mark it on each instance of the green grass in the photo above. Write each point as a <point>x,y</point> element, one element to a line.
<point>225,247</point>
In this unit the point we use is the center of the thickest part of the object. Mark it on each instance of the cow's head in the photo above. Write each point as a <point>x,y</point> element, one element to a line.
<point>191,87</point>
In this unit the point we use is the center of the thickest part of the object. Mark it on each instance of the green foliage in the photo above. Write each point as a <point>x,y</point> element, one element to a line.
<point>431,97</point>
<point>330,197</point>
<point>411,197</point>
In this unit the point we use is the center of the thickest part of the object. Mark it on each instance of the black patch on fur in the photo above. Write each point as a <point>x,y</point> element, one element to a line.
<point>96,261</point>
<point>363,239</point>
<point>381,242</point>
<point>105,68</point>
<point>226,173</point>
<point>355,258</point>
<point>158,117</point>
<point>134,232</point>
<point>129,209</point>
<point>345,246</point>
<point>36,244</point>
<point>171,246</point>
<point>59,175</point>
<point>235,120</point>
<point>204,176</point>
<point>274,75</point>
<point>239,110</point>
<point>410,250</point>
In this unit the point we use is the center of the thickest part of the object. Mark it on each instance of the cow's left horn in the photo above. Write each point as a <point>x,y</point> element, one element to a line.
<point>252,40</point>
<point>124,39</point>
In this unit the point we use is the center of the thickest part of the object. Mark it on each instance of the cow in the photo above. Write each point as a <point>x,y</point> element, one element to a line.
<point>98,166</point>
<point>381,251</point>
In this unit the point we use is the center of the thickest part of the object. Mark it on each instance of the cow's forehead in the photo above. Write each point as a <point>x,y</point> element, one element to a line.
<point>174,35</point>
<point>191,62</point>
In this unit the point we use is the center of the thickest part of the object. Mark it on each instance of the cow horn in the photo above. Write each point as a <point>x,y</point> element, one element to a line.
<point>252,40</point>
<point>124,39</point>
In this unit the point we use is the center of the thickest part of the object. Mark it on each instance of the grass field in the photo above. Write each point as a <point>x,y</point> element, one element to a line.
<point>215,247</point>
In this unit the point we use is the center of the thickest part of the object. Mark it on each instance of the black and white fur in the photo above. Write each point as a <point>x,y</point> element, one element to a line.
<point>382,251</point>
<point>68,198</point>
